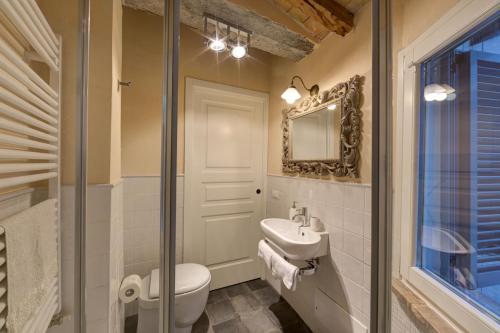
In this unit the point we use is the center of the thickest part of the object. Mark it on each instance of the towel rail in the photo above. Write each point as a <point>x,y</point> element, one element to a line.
<point>14,57</point>
<point>26,143</point>
<point>34,14</point>
<point>21,180</point>
<point>23,12</point>
<point>23,167</point>
<point>25,106</point>
<point>11,83</point>
<point>24,118</point>
<point>23,154</point>
<point>10,68</point>
<point>23,129</point>
<point>14,16</point>
<point>29,130</point>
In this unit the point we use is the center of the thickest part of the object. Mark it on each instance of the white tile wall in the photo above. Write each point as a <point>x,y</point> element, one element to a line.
<point>345,210</point>
<point>141,197</point>
<point>104,258</point>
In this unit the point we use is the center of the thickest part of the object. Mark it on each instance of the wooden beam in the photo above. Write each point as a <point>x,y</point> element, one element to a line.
<point>335,13</point>
<point>267,35</point>
<point>319,17</point>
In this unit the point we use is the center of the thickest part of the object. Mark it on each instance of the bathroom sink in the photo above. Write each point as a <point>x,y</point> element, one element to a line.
<point>295,243</point>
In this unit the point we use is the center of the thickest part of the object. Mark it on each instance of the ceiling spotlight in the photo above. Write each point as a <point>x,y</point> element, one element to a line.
<point>239,51</point>
<point>292,94</point>
<point>332,107</point>
<point>217,45</point>
<point>438,92</point>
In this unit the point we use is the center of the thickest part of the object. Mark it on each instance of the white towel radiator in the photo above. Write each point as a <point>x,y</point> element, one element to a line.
<point>29,121</point>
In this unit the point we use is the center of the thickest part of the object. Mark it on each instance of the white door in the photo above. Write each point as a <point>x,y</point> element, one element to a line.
<point>225,138</point>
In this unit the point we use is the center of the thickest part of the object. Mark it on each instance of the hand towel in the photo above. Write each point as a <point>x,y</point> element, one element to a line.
<point>265,252</point>
<point>287,272</point>
<point>31,251</point>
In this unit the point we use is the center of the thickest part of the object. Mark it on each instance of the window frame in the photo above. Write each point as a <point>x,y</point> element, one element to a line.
<point>456,22</point>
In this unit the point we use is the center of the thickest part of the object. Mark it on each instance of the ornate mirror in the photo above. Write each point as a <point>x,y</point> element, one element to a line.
<point>321,134</point>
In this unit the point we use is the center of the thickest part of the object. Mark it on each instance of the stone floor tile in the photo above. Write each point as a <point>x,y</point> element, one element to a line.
<point>237,289</point>
<point>231,326</point>
<point>257,284</point>
<point>245,303</point>
<point>202,325</point>
<point>259,322</point>
<point>221,311</point>
<point>216,296</point>
<point>284,313</point>
<point>267,296</point>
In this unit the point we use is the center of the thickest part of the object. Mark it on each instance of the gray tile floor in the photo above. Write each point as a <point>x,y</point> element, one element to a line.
<point>250,307</point>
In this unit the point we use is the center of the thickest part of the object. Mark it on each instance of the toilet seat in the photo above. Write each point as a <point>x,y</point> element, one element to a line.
<point>188,277</point>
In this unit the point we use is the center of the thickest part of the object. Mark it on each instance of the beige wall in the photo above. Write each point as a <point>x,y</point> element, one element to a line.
<point>63,18</point>
<point>142,64</point>
<point>335,60</point>
<point>104,98</point>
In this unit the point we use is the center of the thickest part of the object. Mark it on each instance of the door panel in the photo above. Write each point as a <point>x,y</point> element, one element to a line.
<point>225,165</point>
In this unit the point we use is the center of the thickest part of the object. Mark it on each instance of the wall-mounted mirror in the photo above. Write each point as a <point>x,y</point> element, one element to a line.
<point>321,134</point>
<point>315,135</point>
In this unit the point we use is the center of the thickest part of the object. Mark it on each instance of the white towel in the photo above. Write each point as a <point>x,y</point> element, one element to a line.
<point>31,249</point>
<point>287,272</point>
<point>265,252</point>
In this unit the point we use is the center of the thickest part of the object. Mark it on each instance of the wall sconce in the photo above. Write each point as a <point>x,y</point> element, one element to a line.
<point>292,94</point>
<point>438,92</point>
<point>222,35</point>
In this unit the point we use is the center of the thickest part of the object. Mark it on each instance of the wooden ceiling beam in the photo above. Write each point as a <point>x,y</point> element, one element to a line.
<point>267,35</point>
<point>319,17</point>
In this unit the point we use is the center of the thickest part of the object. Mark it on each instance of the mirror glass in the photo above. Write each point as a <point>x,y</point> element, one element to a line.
<point>315,135</point>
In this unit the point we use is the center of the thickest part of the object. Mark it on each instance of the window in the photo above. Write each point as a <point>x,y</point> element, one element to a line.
<point>447,165</point>
<point>459,167</point>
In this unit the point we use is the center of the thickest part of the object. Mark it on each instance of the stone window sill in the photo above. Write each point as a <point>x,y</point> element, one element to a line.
<point>422,312</point>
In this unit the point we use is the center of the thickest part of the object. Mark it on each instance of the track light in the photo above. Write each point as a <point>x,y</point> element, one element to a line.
<point>217,45</point>
<point>239,51</point>
<point>222,35</point>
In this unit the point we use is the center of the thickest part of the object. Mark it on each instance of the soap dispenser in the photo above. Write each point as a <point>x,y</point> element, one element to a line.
<point>293,211</point>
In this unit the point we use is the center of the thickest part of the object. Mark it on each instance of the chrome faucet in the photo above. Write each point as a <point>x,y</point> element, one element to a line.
<point>302,211</point>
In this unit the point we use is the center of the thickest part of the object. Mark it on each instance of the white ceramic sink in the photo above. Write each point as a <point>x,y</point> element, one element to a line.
<point>294,243</point>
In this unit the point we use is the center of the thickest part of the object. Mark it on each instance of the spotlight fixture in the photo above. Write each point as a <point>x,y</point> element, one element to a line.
<point>222,35</point>
<point>438,92</point>
<point>239,51</point>
<point>292,94</point>
<point>217,45</point>
<point>332,106</point>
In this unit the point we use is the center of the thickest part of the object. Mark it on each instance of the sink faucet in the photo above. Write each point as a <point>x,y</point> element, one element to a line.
<point>302,212</point>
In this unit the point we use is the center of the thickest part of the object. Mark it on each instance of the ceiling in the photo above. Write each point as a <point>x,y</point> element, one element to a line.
<point>285,28</point>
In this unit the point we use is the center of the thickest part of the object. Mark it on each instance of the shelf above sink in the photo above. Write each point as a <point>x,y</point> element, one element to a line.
<point>293,242</point>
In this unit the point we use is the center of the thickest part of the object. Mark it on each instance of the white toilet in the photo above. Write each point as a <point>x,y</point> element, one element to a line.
<point>192,284</point>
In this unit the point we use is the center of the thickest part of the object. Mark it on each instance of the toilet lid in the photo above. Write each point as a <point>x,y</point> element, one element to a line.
<point>188,277</point>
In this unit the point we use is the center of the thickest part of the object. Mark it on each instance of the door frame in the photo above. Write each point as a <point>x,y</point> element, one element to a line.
<point>190,84</point>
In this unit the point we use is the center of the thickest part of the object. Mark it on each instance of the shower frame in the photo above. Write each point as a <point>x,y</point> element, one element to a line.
<point>171,28</point>
<point>381,163</point>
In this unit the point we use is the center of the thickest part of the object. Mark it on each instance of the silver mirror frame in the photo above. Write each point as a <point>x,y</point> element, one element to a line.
<point>347,165</point>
